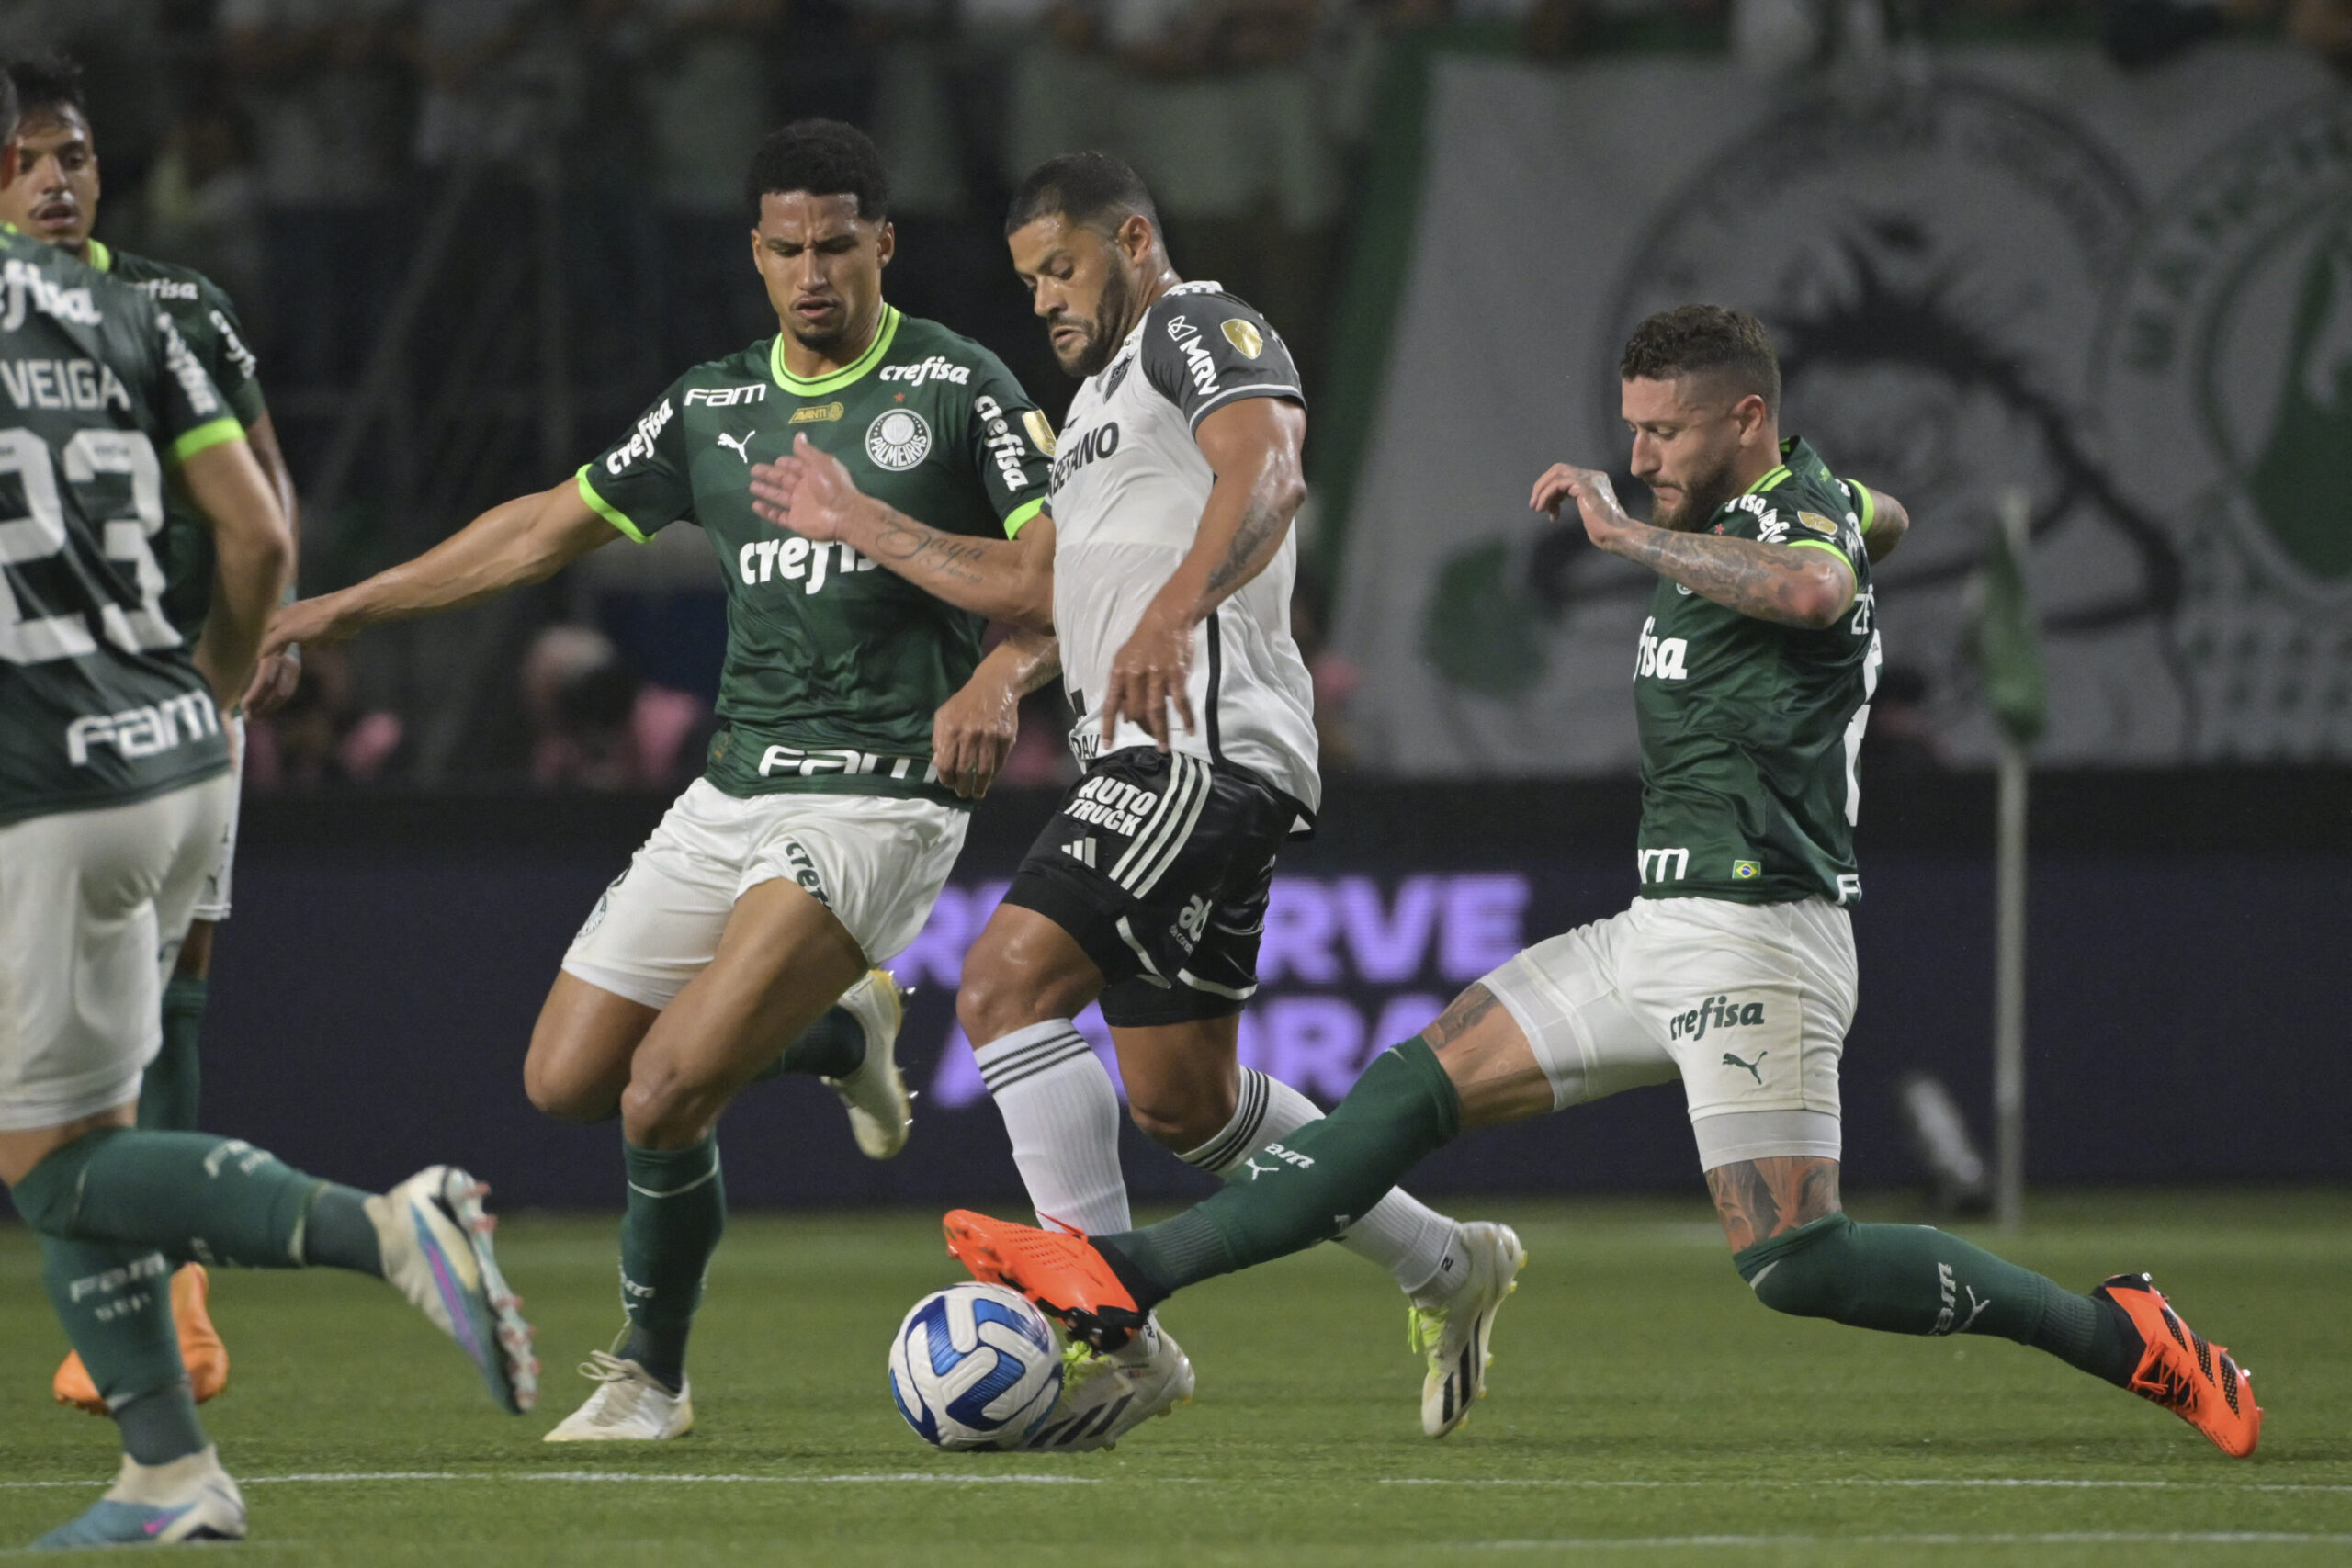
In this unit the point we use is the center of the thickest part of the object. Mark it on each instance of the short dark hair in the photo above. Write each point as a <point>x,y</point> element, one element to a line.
<point>47,83</point>
<point>822,157</point>
<point>1696,340</point>
<point>1092,189</point>
<point>8,115</point>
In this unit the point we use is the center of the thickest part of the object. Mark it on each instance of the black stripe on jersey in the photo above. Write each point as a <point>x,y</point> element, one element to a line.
<point>1216,677</point>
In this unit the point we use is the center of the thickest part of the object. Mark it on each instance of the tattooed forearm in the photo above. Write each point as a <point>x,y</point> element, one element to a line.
<point>1758,1198</point>
<point>900,541</point>
<point>1461,1017</point>
<point>1243,559</point>
<point>1771,583</point>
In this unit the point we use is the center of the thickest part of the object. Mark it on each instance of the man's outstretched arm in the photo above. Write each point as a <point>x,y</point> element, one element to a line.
<point>524,541</point>
<point>1888,522</point>
<point>1012,581</point>
<point>1795,587</point>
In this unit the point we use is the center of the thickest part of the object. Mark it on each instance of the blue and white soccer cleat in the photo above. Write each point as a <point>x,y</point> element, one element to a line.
<point>1453,1335</point>
<point>149,1505</point>
<point>436,1240</point>
<point>874,1091</point>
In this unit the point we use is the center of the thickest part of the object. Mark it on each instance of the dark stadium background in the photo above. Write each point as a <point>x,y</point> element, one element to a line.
<point>510,224</point>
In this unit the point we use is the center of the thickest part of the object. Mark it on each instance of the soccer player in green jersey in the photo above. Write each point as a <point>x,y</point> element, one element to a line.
<point>1732,972</point>
<point>853,732</point>
<point>114,790</point>
<point>55,197</point>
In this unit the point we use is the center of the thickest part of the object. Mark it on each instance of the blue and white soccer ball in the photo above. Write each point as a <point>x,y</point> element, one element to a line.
<point>975,1367</point>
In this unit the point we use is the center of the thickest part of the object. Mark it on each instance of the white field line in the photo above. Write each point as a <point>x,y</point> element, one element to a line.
<point>2054,1538</point>
<point>1998,1481</point>
<point>594,1477</point>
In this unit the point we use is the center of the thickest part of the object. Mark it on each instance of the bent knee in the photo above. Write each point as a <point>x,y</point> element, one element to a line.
<point>567,1095</point>
<point>1812,1278</point>
<point>1181,1117</point>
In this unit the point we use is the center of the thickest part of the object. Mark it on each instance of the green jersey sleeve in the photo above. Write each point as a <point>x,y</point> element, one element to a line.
<point>189,412</point>
<point>219,338</point>
<point>1012,445</point>
<point>1776,513</point>
<point>641,485</point>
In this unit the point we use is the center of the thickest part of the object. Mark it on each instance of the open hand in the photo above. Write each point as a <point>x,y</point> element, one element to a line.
<point>808,491</point>
<point>1150,673</point>
<point>1595,498</point>
<point>306,621</point>
<point>273,680</point>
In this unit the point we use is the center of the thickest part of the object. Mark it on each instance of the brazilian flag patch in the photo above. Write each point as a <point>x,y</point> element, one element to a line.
<point>1745,870</point>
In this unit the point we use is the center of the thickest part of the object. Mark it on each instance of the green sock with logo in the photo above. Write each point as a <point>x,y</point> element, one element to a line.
<point>1919,1279</point>
<point>195,1195</point>
<point>677,1211</point>
<point>1309,1186</point>
<point>833,1047</point>
<point>115,1305</point>
<point>167,1094</point>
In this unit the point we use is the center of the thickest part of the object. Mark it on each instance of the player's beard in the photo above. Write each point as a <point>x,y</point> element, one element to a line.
<point>1701,498</point>
<point>1103,337</point>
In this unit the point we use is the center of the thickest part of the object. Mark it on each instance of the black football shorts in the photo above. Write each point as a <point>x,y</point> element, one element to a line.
<point>1159,864</point>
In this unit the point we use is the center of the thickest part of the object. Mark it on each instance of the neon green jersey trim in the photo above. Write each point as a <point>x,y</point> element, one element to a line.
<point>1823,545</point>
<point>1865,503</point>
<point>1020,517</point>
<point>1768,480</point>
<point>101,257</point>
<point>605,508</point>
<point>204,438</point>
<point>850,372</point>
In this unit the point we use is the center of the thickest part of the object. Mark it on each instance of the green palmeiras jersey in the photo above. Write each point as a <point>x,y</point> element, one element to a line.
<point>834,668</point>
<point>100,702</point>
<point>208,324</point>
<point>1750,729</point>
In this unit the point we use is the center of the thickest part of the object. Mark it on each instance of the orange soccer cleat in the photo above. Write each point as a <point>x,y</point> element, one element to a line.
<point>200,1349</point>
<point>2180,1370</point>
<point>1063,1274</point>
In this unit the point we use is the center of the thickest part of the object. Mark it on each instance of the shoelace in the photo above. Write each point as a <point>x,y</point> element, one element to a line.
<point>625,1388</point>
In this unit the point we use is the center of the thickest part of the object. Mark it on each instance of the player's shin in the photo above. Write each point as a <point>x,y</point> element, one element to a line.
<point>833,1047</point>
<point>168,1094</point>
<point>115,1305</point>
<point>214,1200</point>
<point>677,1211</point>
<point>1918,1280</point>
<point>1400,1234</point>
<point>1293,1192</point>
<point>1062,1115</point>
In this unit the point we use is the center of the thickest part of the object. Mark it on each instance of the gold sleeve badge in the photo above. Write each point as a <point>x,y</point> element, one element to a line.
<point>1244,336</point>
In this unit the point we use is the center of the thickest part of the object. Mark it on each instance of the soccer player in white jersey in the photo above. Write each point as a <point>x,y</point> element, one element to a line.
<point>1165,565</point>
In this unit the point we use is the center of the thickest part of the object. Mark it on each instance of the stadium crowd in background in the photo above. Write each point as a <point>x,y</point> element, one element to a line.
<point>587,155</point>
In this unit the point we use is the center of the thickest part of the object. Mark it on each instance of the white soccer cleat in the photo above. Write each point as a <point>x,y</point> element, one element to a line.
<point>628,1407</point>
<point>436,1240</point>
<point>1103,1399</point>
<point>188,1499</point>
<point>1453,1335</point>
<point>880,1110</point>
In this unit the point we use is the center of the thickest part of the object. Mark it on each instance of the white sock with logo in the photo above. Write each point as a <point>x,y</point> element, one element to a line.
<point>1415,1243</point>
<point>1063,1117</point>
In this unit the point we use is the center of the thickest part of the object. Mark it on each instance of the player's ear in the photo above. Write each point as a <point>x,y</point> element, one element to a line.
<point>886,244</point>
<point>1134,236</point>
<point>1753,415</point>
<point>12,161</point>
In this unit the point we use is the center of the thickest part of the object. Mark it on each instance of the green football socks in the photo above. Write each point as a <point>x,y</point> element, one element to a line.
<point>1918,1280</point>
<point>1306,1188</point>
<point>833,1047</point>
<point>677,1211</point>
<point>194,1195</point>
<point>167,1096</point>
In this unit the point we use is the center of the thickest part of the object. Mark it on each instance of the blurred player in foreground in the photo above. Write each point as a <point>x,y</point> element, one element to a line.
<point>839,787</point>
<point>1166,564</point>
<point>1734,971</point>
<point>114,791</point>
<point>55,197</point>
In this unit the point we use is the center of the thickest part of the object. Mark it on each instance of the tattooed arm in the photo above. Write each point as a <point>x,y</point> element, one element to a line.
<point>1758,1198</point>
<point>1772,583</point>
<point>811,493</point>
<point>1252,444</point>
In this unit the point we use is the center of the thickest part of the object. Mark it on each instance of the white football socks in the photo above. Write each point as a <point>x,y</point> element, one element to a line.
<point>1063,1117</point>
<point>1413,1242</point>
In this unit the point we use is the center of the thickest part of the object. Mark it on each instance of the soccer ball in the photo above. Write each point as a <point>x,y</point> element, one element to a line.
<point>975,1367</point>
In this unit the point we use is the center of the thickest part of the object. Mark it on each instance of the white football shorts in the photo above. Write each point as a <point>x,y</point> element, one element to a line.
<point>212,903</point>
<point>877,861</point>
<point>1747,1004</point>
<point>93,908</point>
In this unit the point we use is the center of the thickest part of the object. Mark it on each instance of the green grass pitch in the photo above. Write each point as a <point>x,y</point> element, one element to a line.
<point>1643,1411</point>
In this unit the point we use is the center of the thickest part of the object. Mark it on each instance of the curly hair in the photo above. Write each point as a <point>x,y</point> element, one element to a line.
<point>821,157</point>
<point>1695,340</point>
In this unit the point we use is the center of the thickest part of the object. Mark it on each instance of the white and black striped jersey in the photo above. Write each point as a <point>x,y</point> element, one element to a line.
<point>1128,486</point>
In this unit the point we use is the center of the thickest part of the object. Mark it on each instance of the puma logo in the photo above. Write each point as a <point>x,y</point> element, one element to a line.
<point>740,446</point>
<point>1749,1067</point>
<point>1257,1171</point>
